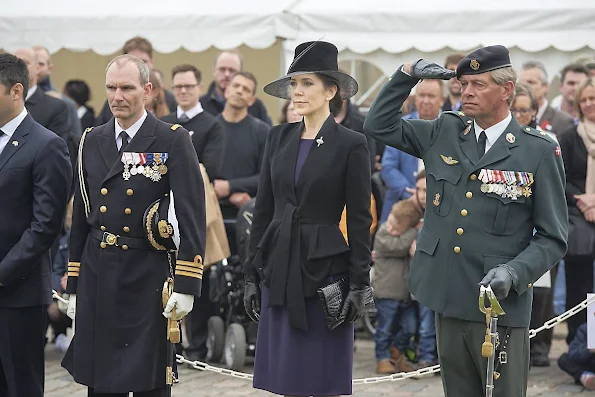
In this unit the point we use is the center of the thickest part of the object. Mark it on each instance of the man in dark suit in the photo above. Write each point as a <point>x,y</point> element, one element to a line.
<point>490,184</point>
<point>50,112</point>
<point>207,134</point>
<point>142,49</point>
<point>35,177</point>
<point>118,262</point>
<point>548,118</point>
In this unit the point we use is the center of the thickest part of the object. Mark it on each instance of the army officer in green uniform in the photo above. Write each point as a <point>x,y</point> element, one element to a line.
<point>490,183</point>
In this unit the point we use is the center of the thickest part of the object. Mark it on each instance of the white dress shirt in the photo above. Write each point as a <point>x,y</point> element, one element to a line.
<point>493,132</point>
<point>30,92</point>
<point>130,131</point>
<point>191,113</point>
<point>10,127</point>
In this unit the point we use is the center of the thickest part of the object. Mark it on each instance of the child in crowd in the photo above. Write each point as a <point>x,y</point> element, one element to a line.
<point>389,281</point>
<point>579,362</point>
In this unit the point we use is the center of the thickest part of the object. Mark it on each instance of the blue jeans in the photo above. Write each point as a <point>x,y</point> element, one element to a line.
<point>427,335</point>
<point>391,313</point>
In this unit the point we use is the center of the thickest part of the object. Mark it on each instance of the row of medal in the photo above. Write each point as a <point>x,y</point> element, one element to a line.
<point>510,184</point>
<point>151,165</point>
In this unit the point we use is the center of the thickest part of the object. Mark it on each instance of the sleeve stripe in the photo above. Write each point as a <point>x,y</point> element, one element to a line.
<point>189,269</point>
<point>188,274</point>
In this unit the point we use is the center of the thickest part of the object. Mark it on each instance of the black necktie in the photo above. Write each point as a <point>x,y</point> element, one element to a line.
<point>183,118</point>
<point>124,137</point>
<point>481,144</point>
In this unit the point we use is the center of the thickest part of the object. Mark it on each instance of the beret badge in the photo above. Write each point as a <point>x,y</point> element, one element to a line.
<point>473,64</point>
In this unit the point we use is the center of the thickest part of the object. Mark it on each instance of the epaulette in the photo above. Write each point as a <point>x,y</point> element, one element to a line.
<point>538,133</point>
<point>175,127</point>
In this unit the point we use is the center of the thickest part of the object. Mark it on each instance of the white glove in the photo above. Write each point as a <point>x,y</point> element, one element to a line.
<point>181,302</point>
<point>71,311</point>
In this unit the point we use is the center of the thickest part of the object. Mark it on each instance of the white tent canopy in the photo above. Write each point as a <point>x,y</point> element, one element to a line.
<point>383,32</point>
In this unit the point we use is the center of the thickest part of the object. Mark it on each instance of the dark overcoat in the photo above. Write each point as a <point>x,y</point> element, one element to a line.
<point>295,242</point>
<point>120,337</point>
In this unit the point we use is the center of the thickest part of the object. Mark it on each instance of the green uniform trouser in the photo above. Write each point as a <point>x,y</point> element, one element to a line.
<point>463,368</point>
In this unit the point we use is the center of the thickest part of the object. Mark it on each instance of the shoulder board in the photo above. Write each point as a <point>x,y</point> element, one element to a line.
<point>88,129</point>
<point>175,127</point>
<point>540,134</point>
<point>460,115</point>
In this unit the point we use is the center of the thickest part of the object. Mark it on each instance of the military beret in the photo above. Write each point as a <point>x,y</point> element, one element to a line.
<point>484,60</point>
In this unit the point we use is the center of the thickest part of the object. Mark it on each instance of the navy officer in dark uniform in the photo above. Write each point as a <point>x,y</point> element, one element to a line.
<point>490,183</point>
<point>118,262</point>
<point>35,178</point>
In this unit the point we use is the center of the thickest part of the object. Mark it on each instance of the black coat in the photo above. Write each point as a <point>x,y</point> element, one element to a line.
<point>35,178</point>
<point>52,113</point>
<point>208,140</point>
<point>295,242</point>
<point>574,154</point>
<point>120,341</point>
<point>354,120</point>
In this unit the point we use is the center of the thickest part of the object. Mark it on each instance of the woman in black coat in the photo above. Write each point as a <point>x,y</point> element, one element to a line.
<point>310,172</point>
<point>578,153</point>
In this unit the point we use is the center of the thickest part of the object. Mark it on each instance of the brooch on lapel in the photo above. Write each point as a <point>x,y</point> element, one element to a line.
<point>15,143</point>
<point>449,160</point>
<point>510,138</point>
<point>319,141</point>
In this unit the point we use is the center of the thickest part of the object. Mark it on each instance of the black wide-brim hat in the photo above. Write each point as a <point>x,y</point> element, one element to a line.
<point>158,230</point>
<point>314,57</point>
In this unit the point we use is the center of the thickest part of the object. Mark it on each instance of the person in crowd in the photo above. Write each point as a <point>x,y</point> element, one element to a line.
<point>310,172</point>
<point>80,93</point>
<point>245,138</point>
<point>50,112</point>
<point>579,362</point>
<point>578,147</point>
<point>156,103</point>
<point>570,78</point>
<point>453,98</point>
<point>524,109</point>
<point>549,119</point>
<point>462,227</point>
<point>35,183</point>
<point>288,113</point>
<point>207,133</point>
<point>121,261</point>
<point>226,65</point>
<point>394,307</point>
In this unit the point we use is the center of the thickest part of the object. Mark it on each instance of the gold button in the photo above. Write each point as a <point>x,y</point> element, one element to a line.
<point>473,177</point>
<point>529,285</point>
<point>126,229</point>
<point>469,195</point>
<point>103,191</point>
<point>103,208</point>
<point>460,231</point>
<point>464,212</point>
<point>130,192</point>
<point>124,247</point>
<point>127,211</point>
<point>457,250</point>
<point>103,245</point>
<point>103,228</point>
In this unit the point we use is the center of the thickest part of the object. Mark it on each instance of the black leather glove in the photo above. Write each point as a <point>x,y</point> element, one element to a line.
<point>425,70</point>
<point>353,307</point>
<point>252,298</point>
<point>501,279</point>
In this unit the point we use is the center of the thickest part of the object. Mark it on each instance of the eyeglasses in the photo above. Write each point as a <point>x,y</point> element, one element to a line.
<point>521,111</point>
<point>180,87</point>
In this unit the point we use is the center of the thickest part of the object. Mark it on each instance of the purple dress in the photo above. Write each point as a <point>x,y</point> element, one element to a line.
<point>290,361</point>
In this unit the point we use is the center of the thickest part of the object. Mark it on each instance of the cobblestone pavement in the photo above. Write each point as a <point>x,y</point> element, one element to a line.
<point>544,382</point>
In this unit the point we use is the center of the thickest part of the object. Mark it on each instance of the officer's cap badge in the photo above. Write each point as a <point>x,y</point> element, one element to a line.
<point>473,64</point>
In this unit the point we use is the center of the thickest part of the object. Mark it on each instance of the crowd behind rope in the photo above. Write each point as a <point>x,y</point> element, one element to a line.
<point>228,124</point>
